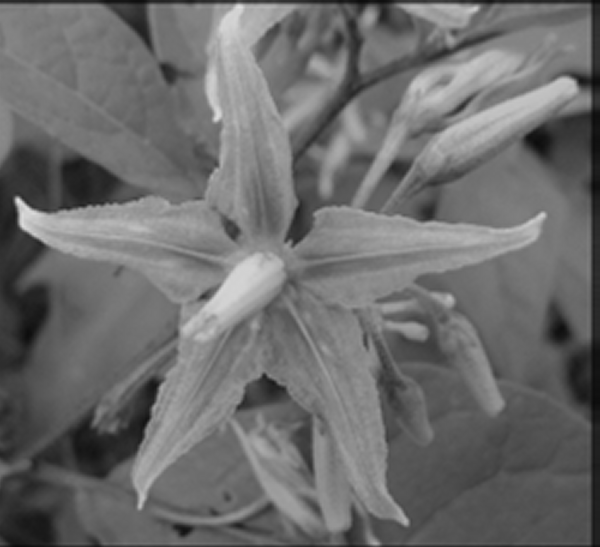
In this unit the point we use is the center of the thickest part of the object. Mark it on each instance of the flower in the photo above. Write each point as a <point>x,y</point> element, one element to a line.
<point>283,310</point>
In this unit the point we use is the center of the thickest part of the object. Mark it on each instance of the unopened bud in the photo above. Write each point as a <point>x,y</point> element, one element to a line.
<point>251,285</point>
<point>437,92</point>
<point>407,400</point>
<point>447,93</point>
<point>466,145</point>
<point>460,342</point>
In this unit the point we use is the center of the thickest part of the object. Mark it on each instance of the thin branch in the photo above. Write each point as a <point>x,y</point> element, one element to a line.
<point>354,83</point>
<point>345,91</point>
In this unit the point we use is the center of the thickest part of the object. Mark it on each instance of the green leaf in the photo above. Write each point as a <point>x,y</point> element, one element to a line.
<point>353,257</point>
<point>183,249</point>
<point>97,324</point>
<point>80,73</point>
<point>180,34</point>
<point>253,185</point>
<point>325,367</point>
<point>523,477</point>
<point>507,299</point>
<point>213,479</point>
<point>199,393</point>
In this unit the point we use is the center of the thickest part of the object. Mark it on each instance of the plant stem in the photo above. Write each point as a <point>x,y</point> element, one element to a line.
<point>344,93</point>
<point>355,83</point>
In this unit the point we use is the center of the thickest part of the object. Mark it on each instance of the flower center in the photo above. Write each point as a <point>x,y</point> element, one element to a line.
<point>250,286</point>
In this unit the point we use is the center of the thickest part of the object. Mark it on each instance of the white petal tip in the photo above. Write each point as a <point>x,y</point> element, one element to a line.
<point>567,85</point>
<point>26,215</point>
<point>494,406</point>
<point>534,226</point>
<point>230,23</point>
<point>141,500</point>
<point>403,520</point>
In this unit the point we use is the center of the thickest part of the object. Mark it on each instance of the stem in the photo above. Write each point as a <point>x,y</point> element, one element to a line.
<point>355,83</point>
<point>344,93</point>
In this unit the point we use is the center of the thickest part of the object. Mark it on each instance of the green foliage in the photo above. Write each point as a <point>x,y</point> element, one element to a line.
<point>222,119</point>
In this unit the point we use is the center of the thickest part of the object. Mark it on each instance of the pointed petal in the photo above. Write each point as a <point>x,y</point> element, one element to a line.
<point>353,257</point>
<point>460,343</point>
<point>199,393</point>
<point>182,249</point>
<point>324,366</point>
<point>253,185</point>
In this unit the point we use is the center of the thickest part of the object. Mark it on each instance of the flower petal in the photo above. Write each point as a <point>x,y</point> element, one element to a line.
<point>253,185</point>
<point>324,366</point>
<point>182,249</point>
<point>353,257</point>
<point>199,393</point>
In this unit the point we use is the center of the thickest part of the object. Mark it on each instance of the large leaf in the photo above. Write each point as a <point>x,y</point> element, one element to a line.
<point>507,299</point>
<point>180,34</point>
<point>80,73</point>
<point>98,322</point>
<point>253,185</point>
<point>322,362</point>
<point>353,257</point>
<point>183,248</point>
<point>213,478</point>
<point>523,478</point>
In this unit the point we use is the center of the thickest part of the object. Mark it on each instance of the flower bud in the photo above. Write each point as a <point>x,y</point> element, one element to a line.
<point>250,286</point>
<point>437,92</point>
<point>466,145</point>
<point>459,341</point>
<point>447,93</point>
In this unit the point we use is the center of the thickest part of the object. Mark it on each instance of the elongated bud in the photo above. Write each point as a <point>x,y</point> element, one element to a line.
<point>251,285</point>
<point>402,393</point>
<point>447,93</point>
<point>460,342</point>
<point>473,141</point>
<point>407,400</point>
<point>439,91</point>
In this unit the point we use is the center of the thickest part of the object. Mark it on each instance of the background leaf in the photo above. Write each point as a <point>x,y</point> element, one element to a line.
<point>98,321</point>
<point>83,75</point>
<point>180,34</point>
<point>213,478</point>
<point>521,478</point>
<point>507,298</point>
